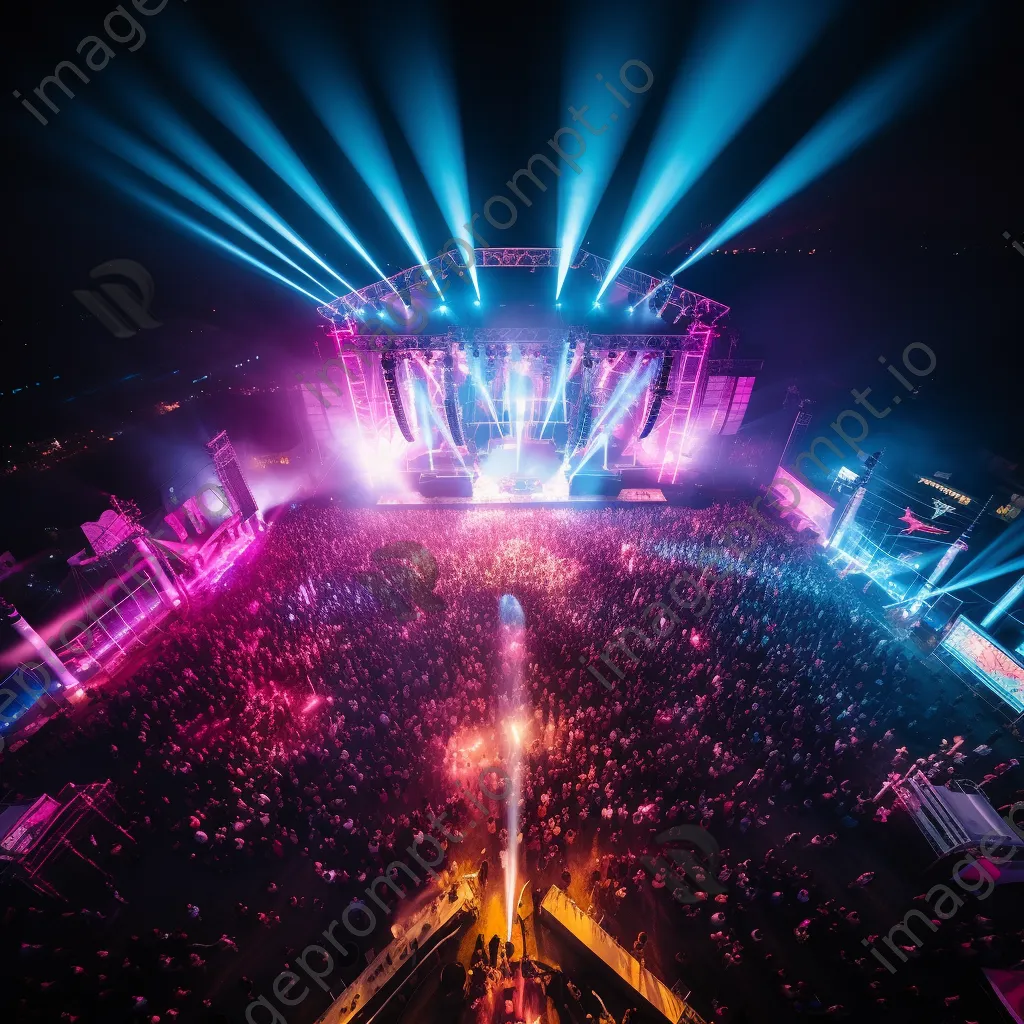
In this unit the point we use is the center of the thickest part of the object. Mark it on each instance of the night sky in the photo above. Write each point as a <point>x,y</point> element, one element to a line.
<point>907,232</point>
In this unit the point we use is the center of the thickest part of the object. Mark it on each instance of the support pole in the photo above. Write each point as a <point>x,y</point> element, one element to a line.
<point>41,647</point>
<point>954,549</point>
<point>1004,604</point>
<point>850,512</point>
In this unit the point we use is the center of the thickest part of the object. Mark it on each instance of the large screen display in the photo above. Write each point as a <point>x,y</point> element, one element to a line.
<point>796,501</point>
<point>987,660</point>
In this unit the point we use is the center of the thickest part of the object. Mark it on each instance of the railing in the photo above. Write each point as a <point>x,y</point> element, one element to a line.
<point>115,634</point>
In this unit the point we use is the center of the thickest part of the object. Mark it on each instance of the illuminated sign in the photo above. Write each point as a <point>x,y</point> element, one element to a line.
<point>801,505</point>
<point>987,661</point>
<point>948,491</point>
<point>1009,510</point>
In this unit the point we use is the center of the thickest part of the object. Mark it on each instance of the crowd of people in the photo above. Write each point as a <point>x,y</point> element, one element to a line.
<point>304,728</point>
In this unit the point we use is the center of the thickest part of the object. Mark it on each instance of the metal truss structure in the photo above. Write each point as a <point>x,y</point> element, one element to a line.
<point>553,337</point>
<point>346,309</point>
<point>406,393</point>
<point>225,462</point>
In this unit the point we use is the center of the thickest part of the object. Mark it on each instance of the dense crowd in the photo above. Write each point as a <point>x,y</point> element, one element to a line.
<point>320,711</point>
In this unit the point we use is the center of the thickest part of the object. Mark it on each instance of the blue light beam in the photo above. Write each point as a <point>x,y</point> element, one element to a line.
<point>558,392</point>
<point>736,64</point>
<point>344,108</point>
<point>167,128</point>
<point>850,124</point>
<point>596,44</point>
<point>176,217</point>
<point>436,140</point>
<point>235,107</point>
<point>162,170</point>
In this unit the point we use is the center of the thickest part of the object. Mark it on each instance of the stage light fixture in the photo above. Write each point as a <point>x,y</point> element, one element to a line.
<point>476,302</point>
<point>630,310</point>
<point>443,310</point>
<point>558,305</point>
<point>597,305</point>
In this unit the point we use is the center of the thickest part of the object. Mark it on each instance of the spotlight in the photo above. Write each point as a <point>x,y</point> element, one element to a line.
<point>558,305</point>
<point>442,309</point>
<point>630,310</point>
<point>597,305</point>
<point>476,302</point>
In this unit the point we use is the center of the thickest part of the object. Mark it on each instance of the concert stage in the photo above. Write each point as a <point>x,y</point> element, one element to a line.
<point>468,385</point>
<point>564,916</point>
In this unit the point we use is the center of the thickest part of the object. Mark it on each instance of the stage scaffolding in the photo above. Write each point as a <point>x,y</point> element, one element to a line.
<point>406,396</point>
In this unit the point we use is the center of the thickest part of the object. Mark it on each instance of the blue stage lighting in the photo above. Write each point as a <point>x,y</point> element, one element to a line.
<point>442,309</point>
<point>167,128</point>
<point>160,169</point>
<point>176,217</point>
<point>558,305</point>
<point>476,302</point>
<point>733,67</point>
<point>344,108</point>
<point>851,123</point>
<point>596,43</point>
<point>420,81</point>
<point>228,100</point>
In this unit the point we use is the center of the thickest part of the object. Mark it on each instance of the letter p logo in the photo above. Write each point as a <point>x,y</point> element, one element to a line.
<point>132,306</point>
<point>703,879</point>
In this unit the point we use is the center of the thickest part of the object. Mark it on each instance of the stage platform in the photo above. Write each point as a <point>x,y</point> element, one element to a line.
<point>560,911</point>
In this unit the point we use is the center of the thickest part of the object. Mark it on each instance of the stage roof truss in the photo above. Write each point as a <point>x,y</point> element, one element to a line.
<point>346,309</point>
